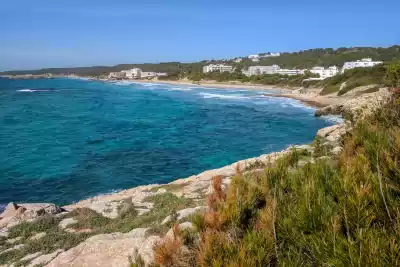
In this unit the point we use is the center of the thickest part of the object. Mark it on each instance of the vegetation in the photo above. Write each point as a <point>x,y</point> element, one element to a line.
<point>302,59</point>
<point>353,78</point>
<point>393,74</point>
<point>54,239</point>
<point>340,211</point>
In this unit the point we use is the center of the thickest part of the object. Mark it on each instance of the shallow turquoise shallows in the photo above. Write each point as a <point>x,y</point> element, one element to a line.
<point>63,140</point>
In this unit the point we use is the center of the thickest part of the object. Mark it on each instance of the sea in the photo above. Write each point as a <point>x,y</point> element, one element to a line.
<point>64,139</point>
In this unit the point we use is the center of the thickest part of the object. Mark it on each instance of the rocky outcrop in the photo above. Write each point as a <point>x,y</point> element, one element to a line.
<point>356,105</point>
<point>17,213</point>
<point>333,133</point>
<point>108,250</point>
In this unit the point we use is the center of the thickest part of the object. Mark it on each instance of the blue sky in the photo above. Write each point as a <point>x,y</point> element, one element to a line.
<point>43,33</point>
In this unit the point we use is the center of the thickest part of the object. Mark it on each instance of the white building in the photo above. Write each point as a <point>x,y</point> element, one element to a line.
<point>271,55</point>
<point>238,60</point>
<point>117,75</point>
<point>362,63</point>
<point>217,67</point>
<point>260,70</point>
<point>254,58</point>
<point>133,73</point>
<point>325,73</point>
<point>148,74</point>
<point>290,72</point>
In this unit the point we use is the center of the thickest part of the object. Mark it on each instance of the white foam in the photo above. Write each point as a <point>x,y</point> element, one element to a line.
<point>34,90</point>
<point>209,95</point>
<point>333,118</point>
<point>26,90</point>
<point>179,89</point>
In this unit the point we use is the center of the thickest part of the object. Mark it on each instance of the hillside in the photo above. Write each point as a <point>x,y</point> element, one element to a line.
<point>301,59</point>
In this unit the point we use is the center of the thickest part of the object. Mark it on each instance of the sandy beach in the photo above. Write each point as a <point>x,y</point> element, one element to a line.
<point>311,97</point>
<point>214,84</point>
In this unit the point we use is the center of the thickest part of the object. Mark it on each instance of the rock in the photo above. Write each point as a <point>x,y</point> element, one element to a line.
<point>10,211</point>
<point>84,230</point>
<point>13,240</point>
<point>31,256</point>
<point>332,133</point>
<point>4,234</point>
<point>184,213</point>
<point>141,211</point>
<point>186,225</point>
<point>161,191</point>
<point>20,246</point>
<point>15,214</point>
<point>44,259</point>
<point>38,236</point>
<point>337,150</point>
<point>65,222</point>
<point>108,250</point>
<point>330,110</point>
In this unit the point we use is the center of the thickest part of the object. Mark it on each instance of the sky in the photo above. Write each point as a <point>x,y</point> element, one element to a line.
<point>44,33</point>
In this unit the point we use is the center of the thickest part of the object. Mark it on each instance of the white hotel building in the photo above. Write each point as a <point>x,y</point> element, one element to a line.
<point>363,63</point>
<point>325,73</point>
<point>217,67</point>
<point>260,70</point>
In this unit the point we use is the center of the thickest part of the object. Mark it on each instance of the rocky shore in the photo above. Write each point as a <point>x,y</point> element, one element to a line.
<point>114,229</point>
<point>109,248</point>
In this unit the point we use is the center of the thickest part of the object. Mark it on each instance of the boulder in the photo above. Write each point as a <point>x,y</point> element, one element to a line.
<point>184,213</point>
<point>67,221</point>
<point>108,250</point>
<point>38,236</point>
<point>44,259</point>
<point>17,213</point>
<point>9,211</point>
<point>183,226</point>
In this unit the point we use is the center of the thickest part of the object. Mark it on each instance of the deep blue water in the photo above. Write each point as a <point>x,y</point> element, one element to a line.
<point>72,139</point>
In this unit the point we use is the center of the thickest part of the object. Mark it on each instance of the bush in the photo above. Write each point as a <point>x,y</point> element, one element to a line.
<point>342,212</point>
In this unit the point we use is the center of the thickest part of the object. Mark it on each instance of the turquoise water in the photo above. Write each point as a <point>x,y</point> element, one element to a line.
<point>62,140</point>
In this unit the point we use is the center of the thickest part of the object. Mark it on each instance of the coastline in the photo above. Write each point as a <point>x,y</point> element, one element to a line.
<point>312,99</point>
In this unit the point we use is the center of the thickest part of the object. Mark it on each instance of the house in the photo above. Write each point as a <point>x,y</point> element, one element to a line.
<point>133,73</point>
<point>116,75</point>
<point>362,63</point>
<point>325,73</point>
<point>260,70</point>
<point>290,72</point>
<point>217,67</point>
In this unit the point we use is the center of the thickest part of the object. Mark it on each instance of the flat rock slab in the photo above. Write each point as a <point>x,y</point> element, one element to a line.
<point>44,259</point>
<point>108,250</point>
<point>68,221</point>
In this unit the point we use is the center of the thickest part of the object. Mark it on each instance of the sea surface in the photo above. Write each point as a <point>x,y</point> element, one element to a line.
<point>63,140</point>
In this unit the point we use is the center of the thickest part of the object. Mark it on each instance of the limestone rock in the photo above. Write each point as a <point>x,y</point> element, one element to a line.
<point>31,256</point>
<point>332,133</point>
<point>108,250</point>
<point>38,236</point>
<point>20,246</point>
<point>65,222</point>
<point>184,213</point>
<point>10,211</point>
<point>186,225</point>
<point>44,259</point>
<point>17,213</point>
<point>13,240</point>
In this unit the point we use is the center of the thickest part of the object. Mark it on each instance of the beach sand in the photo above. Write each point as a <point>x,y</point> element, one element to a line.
<point>311,98</point>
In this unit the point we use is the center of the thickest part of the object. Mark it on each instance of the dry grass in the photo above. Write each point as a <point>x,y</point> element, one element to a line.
<point>335,212</point>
